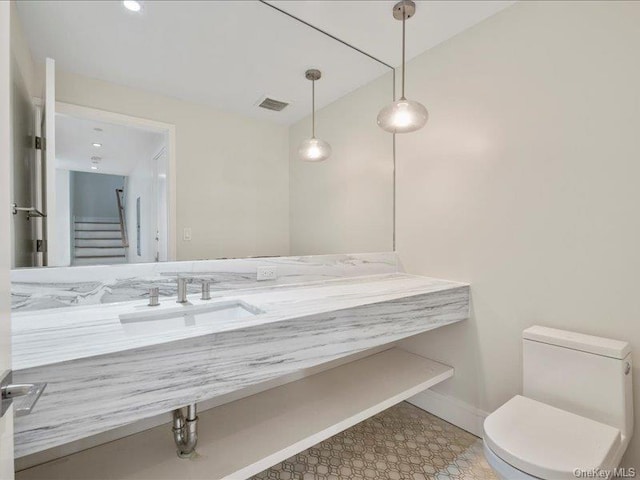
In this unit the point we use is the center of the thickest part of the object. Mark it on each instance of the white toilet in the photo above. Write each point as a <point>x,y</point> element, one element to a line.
<point>576,412</point>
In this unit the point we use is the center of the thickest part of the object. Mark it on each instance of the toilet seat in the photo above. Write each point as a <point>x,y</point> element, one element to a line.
<point>547,442</point>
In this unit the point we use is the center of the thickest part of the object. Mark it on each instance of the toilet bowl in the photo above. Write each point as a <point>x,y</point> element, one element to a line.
<point>575,416</point>
<point>502,469</point>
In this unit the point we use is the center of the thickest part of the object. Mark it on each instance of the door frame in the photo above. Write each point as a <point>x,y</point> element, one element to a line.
<point>147,124</point>
<point>6,233</point>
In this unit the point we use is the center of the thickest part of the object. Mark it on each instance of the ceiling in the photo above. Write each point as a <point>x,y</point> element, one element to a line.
<point>230,54</point>
<point>122,146</point>
<point>370,26</point>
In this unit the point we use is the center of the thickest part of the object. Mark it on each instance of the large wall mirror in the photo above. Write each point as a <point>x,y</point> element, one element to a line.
<point>172,133</point>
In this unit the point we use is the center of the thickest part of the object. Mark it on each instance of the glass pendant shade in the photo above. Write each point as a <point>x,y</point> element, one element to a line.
<point>403,116</point>
<point>314,150</point>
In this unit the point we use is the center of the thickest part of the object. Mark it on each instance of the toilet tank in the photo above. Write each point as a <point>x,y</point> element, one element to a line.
<point>586,375</point>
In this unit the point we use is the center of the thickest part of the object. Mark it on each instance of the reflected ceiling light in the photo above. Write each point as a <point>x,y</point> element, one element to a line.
<point>94,167</point>
<point>132,5</point>
<point>313,149</point>
<point>97,145</point>
<point>403,116</point>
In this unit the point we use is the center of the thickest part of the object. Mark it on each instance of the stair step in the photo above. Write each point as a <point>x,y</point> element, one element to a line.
<point>96,226</point>
<point>99,252</point>
<point>99,256</point>
<point>100,223</point>
<point>96,219</point>
<point>88,234</point>
<point>98,242</point>
<point>99,260</point>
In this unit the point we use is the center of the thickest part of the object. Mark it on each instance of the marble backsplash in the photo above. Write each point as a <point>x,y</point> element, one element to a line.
<point>42,288</point>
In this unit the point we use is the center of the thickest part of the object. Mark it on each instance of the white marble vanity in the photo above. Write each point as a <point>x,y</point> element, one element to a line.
<point>102,376</point>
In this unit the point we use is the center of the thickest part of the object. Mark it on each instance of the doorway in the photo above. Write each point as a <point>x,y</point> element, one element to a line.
<point>113,188</point>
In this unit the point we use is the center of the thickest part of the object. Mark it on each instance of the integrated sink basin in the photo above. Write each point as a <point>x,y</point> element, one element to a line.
<point>187,316</point>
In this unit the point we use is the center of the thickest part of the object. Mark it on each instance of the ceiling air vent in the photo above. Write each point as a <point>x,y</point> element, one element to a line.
<point>271,104</point>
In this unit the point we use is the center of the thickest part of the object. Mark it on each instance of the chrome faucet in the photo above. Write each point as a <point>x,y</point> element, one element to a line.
<point>182,289</point>
<point>185,279</point>
<point>206,290</point>
<point>154,294</point>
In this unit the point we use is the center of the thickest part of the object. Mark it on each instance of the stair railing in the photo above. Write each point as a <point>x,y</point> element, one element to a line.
<point>121,214</point>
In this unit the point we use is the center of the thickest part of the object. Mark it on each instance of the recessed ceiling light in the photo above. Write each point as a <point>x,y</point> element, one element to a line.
<point>97,145</point>
<point>132,5</point>
<point>93,167</point>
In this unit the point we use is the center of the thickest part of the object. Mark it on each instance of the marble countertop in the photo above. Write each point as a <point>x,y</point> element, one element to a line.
<point>56,335</point>
<point>100,377</point>
<point>59,287</point>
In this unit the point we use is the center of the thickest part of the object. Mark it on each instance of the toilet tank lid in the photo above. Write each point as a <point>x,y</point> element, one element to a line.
<point>578,341</point>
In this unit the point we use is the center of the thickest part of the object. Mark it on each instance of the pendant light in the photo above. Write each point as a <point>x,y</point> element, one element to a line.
<point>403,116</point>
<point>313,149</point>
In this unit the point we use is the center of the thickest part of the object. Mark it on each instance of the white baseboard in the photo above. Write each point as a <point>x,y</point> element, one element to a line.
<point>452,410</point>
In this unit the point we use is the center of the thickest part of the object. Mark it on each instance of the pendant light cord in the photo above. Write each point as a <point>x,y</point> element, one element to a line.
<point>404,19</point>
<point>313,109</point>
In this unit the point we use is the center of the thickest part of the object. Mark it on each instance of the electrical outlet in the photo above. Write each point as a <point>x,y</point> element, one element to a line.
<point>266,273</point>
<point>186,234</point>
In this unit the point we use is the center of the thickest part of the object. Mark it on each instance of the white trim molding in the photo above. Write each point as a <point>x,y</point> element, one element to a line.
<point>451,409</point>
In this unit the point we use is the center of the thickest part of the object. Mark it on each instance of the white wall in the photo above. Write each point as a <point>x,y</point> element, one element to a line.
<point>22,55</point>
<point>232,172</point>
<point>525,183</point>
<point>94,195</point>
<point>6,422</point>
<point>344,204</point>
<point>22,167</point>
<point>63,216</point>
<point>22,152</point>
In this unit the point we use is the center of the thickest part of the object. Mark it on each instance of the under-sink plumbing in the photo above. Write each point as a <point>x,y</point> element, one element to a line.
<point>185,431</point>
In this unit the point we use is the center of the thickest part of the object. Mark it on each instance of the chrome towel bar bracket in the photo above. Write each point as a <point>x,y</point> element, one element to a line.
<point>31,211</point>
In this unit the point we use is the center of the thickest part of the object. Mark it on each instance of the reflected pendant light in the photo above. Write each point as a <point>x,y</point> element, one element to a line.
<point>403,116</point>
<point>313,149</point>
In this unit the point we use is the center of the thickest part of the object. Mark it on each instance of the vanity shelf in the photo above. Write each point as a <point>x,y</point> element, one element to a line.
<point>244,437</point>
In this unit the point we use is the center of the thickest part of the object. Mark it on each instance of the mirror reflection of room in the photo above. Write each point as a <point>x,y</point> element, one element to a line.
<point>206,137</point>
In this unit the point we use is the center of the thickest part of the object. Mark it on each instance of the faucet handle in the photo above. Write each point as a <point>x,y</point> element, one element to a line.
<point>206,290</point>
<point>154,293</point>
<point>182,289</point>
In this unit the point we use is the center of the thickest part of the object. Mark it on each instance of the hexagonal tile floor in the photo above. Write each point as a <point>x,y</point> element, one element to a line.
<point>401,443</point>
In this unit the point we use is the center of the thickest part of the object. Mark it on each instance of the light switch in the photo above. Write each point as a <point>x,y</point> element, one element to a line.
<point>186,234</point>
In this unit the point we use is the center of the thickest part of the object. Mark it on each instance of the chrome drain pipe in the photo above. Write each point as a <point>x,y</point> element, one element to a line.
<point>185,431</point>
